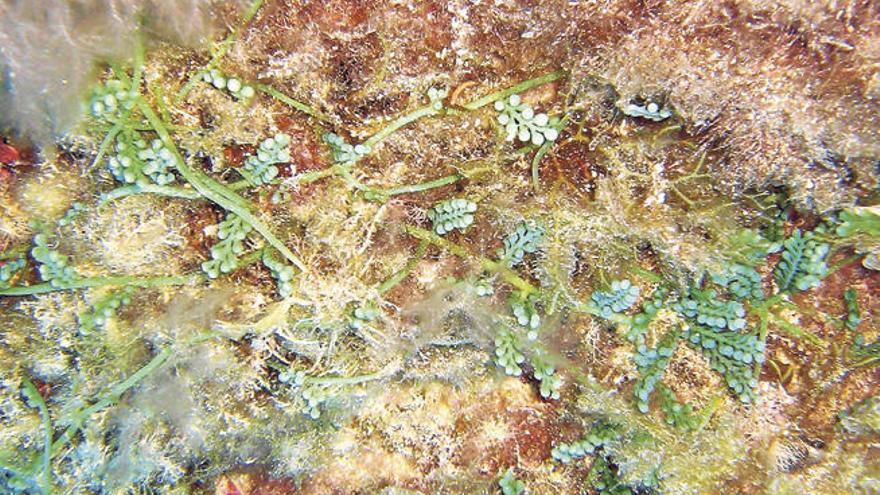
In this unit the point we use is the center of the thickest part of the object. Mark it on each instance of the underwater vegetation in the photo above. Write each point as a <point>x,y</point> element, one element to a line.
<point>464,247</point>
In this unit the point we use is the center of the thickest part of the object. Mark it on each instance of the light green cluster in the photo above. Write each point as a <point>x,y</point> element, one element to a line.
<point>679,415</point>
<point>8,270</point>
<point>526,313</point>
<point>732,354</point>
<point>313,395</point>
<point>234,85</point>
<point>224,254</point>
<point>705,307</point>
<point>743,282</point>
<point>521,122</point>
<point>53,266</point>
<point>103,310</point>
<point>551,383</point>
<point>507,353</point>
<point>282,273</point>
<point>111,99</point>
<point>125,166</point>
<point>510,485</point>
<point>803,263</point>
<point>525,239</point>
<point>137,162</point>
<point>483,287</point>
<point>622,296</point>
<point>452,214</point>
<point>651,363</point>
<point>599,435</point>
<point>262,166</point>
<point>342,151</point>
<point>158,162</point>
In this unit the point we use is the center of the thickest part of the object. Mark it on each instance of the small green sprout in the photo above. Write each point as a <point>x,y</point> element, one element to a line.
<point>640,321</point>
<point>863,418</point>
<point>103,310</point>
<point>706,309</point>
<point>622,296</point>
<point>75,210</point>
<point>271,151</point>
<point>224,254</point>
<point>282,273</point>
<point>483,287</point>
<point>436,96</point>
<point>314,395</point>
<point>853,315</point>
<point>650,111</point>
<point>525,239</point>
<point>803,263</point>
<point>53,266</point>
<point>363,315</point>
<point>510,485</point>
<point>452,214</point>
<point>8,270</point>
<point>521,122</point>
<point>526,313</point>
<point>605,480</point>
<point>860,220</point>
<point>342,151</point>
<point>233,85</point>
<point>600,434</point>
<point>651,364</point>
<point>546,374</point>
<point>507,353</point>
<point>679,415</point>
<point>292,377</point>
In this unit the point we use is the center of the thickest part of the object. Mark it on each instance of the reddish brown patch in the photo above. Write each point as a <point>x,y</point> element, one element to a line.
<point>203,216</point>
<point>8,154</point>
<point>236,153</point>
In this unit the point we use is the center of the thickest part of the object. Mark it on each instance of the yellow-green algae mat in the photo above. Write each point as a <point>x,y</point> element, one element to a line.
<point>453,247</point>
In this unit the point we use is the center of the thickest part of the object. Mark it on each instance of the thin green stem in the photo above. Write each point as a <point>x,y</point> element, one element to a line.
<point>842,263</point>
<point>345,380</point>
<point>105,145</point>
<point>488,265</point>
<point>426,111</point>
<point>797,332</point>
<point>519,88</point>
<point>398,277</point>
<point>170,191</point>
<point>121,280</point>
<point>111,397</point>
<point>424,186</point>
<point>214,191</point>
<point>283,98</point>
<point>34,395</point>
<point>539,155</point>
